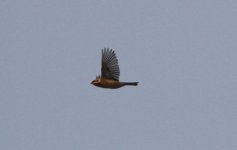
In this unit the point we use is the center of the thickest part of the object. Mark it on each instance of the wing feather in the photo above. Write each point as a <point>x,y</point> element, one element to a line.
<point>110,67</point>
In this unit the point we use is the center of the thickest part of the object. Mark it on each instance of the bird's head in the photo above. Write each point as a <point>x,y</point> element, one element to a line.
<point>96,82</point>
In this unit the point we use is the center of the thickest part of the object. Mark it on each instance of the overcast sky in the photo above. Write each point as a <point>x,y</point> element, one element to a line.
<point>182,53</point>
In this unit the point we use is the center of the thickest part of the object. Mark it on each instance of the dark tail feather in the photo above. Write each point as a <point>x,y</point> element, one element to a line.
<point>130,83</point>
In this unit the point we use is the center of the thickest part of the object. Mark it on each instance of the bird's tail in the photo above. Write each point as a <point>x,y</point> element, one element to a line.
<point>130,83</point>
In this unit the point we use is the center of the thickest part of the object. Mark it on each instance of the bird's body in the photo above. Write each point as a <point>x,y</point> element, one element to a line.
<point>112,84</point>
<point>110,72</point>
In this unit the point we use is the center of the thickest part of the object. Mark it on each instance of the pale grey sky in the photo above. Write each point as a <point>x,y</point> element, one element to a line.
<point>183,53</point>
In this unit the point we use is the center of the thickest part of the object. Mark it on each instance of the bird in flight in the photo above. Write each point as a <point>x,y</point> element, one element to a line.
<point>110,72</point>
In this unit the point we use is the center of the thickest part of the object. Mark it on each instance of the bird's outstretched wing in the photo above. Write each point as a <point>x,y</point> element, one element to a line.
<point>110,67</point>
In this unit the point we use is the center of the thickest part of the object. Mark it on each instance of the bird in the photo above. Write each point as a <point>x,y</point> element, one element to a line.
<point>110,72</point>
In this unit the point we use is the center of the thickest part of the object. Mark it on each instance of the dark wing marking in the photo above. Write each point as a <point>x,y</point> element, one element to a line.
<point>110,67</point>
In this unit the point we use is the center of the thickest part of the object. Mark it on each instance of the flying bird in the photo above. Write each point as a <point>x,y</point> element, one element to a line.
<point>110,72</point>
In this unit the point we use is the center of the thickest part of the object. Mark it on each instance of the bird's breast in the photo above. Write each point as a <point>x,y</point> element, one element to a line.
<point>108,83</point>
